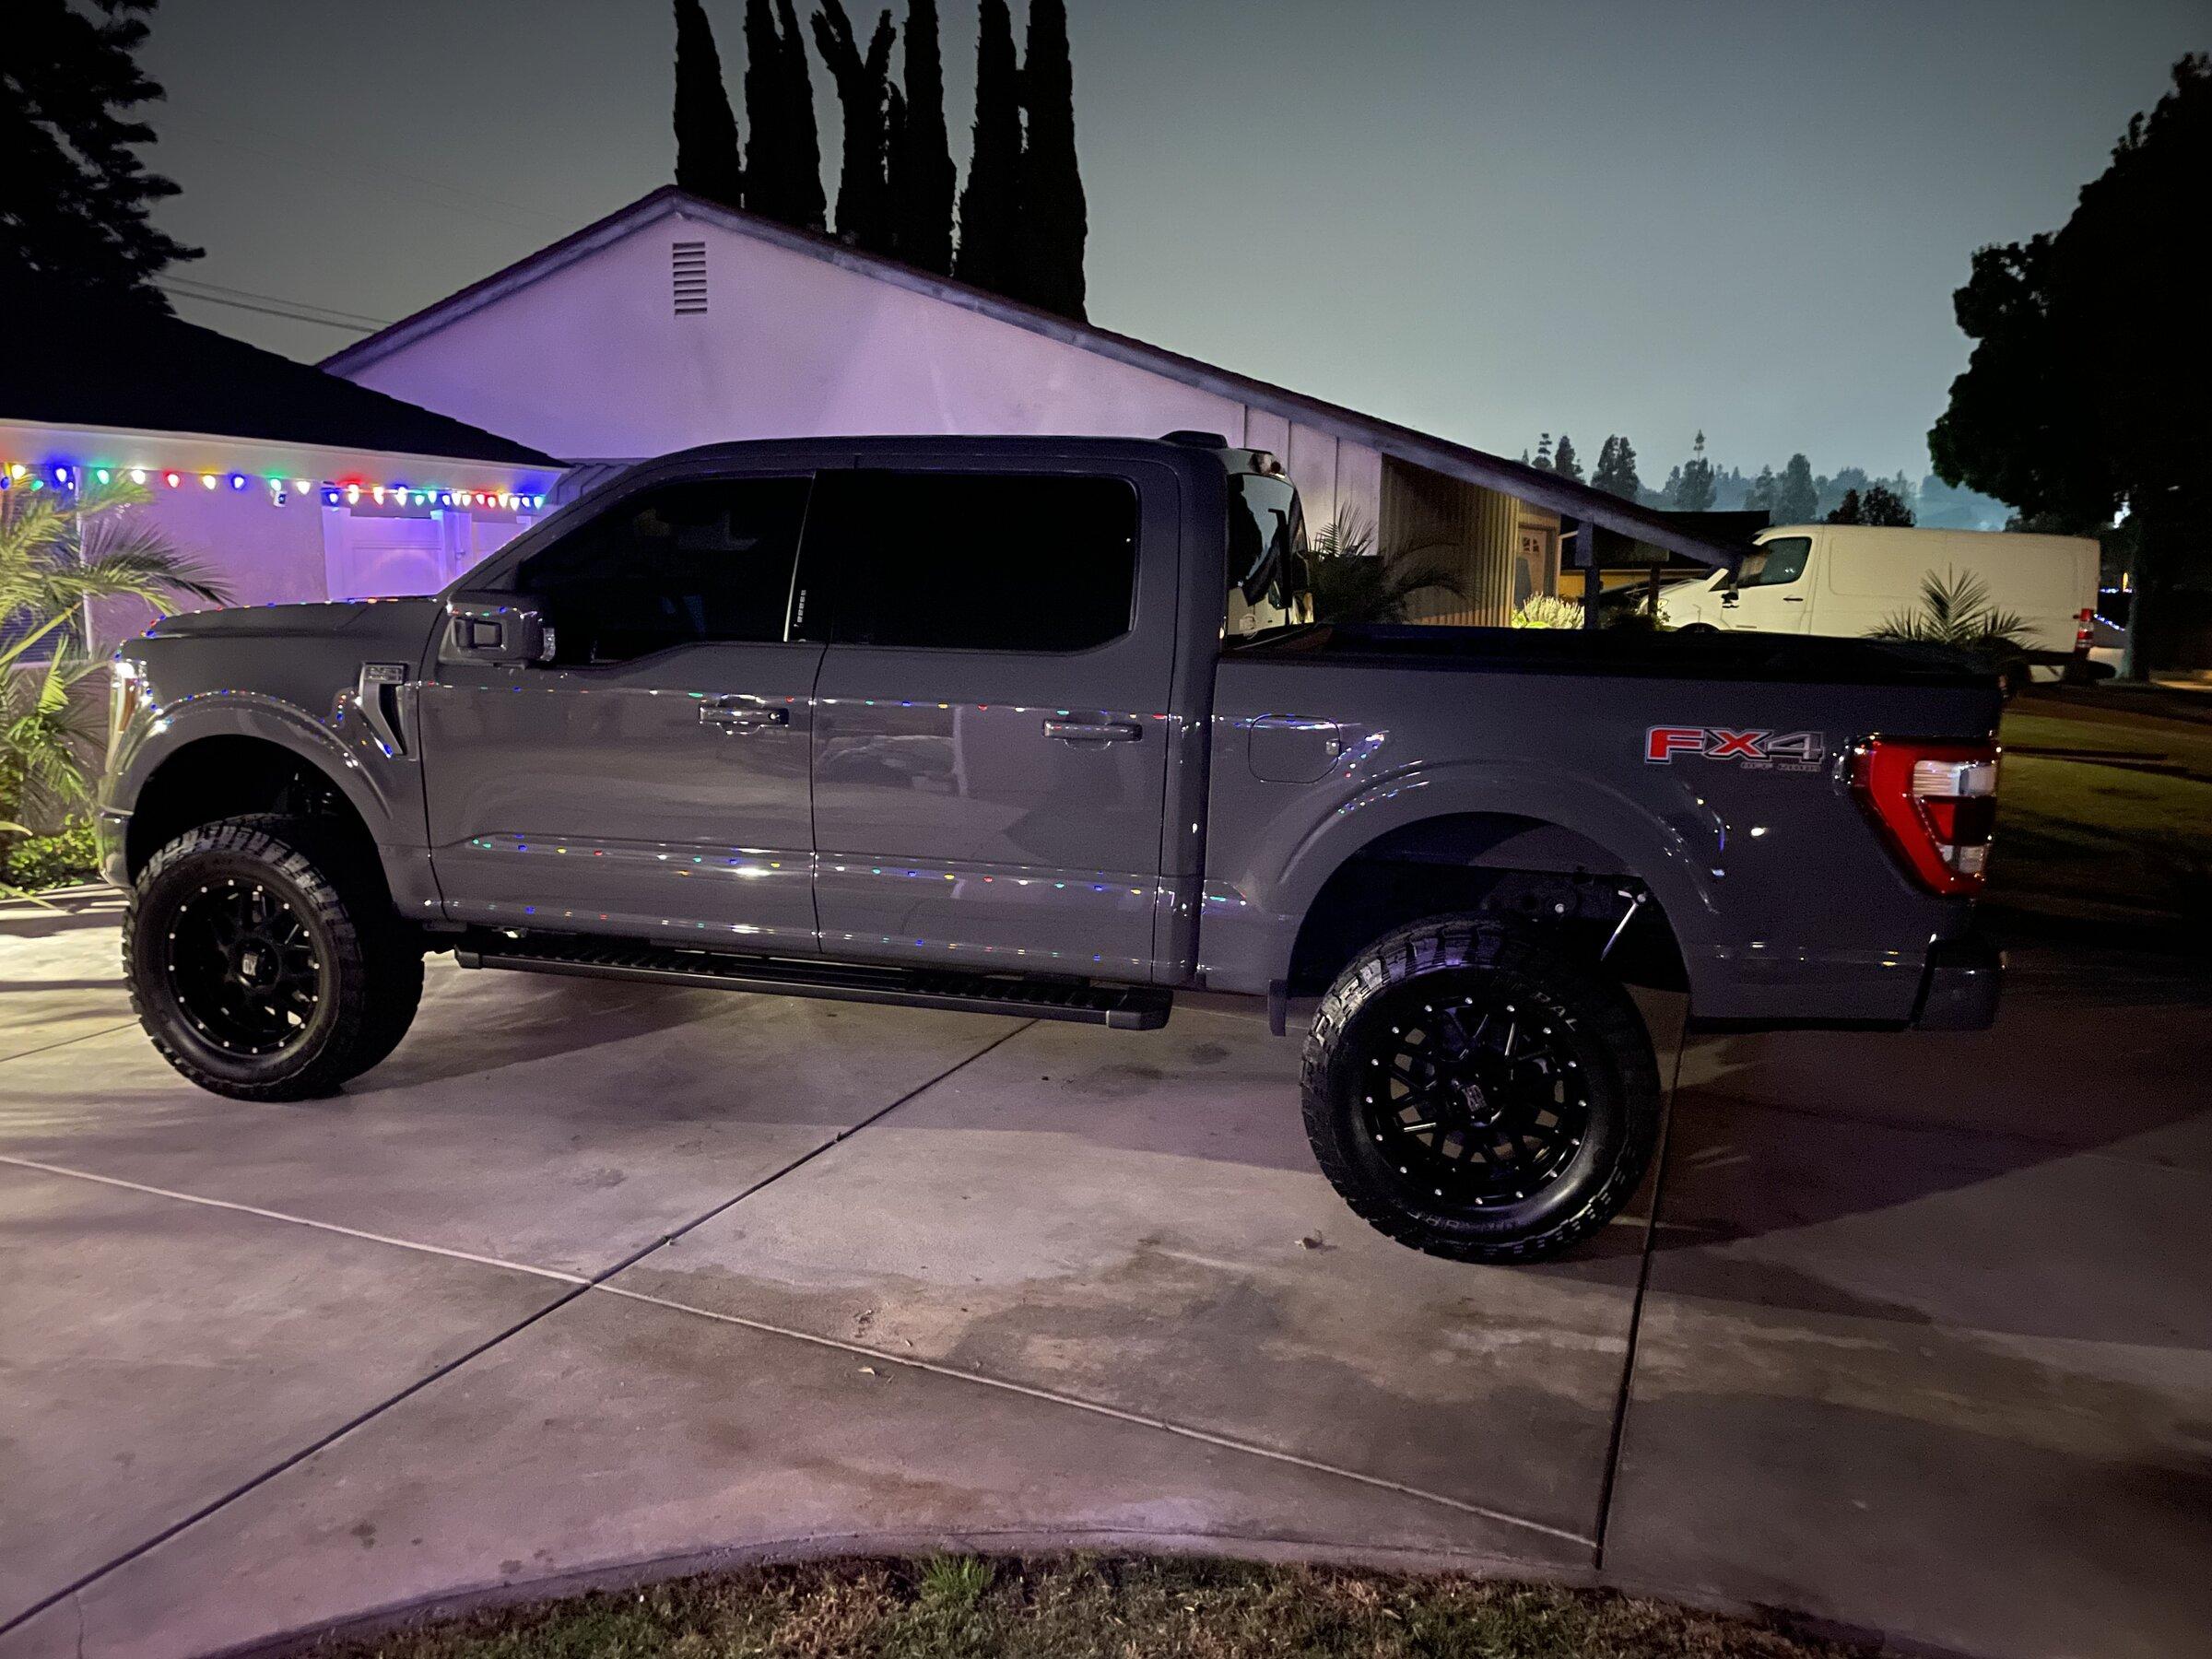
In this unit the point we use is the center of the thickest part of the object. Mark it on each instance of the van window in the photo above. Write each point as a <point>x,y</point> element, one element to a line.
<point>679,564</point>
<point>968,561</point>
<point>1775,563</point>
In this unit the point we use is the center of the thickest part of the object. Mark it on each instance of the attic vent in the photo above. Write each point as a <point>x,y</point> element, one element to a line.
<point>688,276</point>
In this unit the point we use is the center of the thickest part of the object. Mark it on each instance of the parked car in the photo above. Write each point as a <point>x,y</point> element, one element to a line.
<point>1848,580</point>
<point>964,723</point>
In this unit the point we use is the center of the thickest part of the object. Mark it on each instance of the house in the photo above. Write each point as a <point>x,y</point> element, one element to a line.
<point>285,483</point>
<point>677,322</point>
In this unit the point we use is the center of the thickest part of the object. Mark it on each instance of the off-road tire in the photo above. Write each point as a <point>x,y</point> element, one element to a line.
<point>368,967</point>
<point>1587,1020</point>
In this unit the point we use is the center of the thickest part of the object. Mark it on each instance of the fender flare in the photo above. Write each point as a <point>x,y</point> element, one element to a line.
<point>1677,857</point>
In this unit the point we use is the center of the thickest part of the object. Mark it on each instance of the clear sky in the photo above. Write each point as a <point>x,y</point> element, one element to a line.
<point>1482,219</point>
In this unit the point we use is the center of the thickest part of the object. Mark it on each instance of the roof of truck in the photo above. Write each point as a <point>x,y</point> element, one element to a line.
<point>1534,484</point>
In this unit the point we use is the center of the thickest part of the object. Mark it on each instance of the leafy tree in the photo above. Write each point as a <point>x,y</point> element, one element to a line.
<point>1543,461</point>
<point>1351,583</point>
<point>783,162</point>
<point>1616,472</point>
<point>1564,461</point>
<point>75,199</point>
<point>863,86</point>
<point>2085,392</point>
<point>1760,496</point>
<point>1055,217</point>
<point>706,133</point>
<point>57,553</point>
<point>1670,492</point>
<point>1880,505</point>
<point>920,173</point>
<point>991,237</point>
<point>1693,491</point>
<point>1796,497</point>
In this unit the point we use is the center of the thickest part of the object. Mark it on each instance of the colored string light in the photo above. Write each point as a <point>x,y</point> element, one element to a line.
<point>69,476</point>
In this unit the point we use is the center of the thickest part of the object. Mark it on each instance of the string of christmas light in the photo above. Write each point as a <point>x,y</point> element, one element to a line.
<point>71,477</point>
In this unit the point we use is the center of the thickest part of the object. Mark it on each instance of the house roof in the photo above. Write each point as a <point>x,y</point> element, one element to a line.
<point>1531,483</point>
<point>72,360</point>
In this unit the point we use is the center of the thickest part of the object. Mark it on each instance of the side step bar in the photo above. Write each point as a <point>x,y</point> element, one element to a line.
<point>1122,1008</point>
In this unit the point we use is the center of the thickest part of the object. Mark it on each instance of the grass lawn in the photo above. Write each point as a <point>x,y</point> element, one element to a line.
<point>1081,1608</point>
<point>2083,835</point>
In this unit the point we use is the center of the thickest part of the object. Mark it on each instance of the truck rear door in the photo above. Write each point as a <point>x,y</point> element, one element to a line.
<point>990,738</point>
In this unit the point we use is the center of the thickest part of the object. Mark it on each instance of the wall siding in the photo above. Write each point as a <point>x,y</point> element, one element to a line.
<point>1467,529</point>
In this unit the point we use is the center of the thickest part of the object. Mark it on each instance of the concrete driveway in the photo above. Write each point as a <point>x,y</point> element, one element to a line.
<point>589,1275</point>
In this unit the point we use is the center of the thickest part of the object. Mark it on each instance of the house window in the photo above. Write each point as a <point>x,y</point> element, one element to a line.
<point>397,552</point>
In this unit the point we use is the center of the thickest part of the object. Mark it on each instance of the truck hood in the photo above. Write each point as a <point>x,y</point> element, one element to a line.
<point>268,621</point>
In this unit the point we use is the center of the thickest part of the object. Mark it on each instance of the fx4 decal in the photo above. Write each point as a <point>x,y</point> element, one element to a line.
<point>1784,751</point>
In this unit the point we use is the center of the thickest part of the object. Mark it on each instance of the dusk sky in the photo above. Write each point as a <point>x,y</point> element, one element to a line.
<point>1483,220</point>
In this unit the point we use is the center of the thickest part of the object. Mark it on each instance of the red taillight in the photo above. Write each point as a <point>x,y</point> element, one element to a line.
<point>2084,631</point>
<point>1938,803</point>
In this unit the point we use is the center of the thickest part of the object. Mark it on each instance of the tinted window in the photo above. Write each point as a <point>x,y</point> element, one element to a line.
<point>680,565</point>
<point>968,561</point>
<point>1776,562</point>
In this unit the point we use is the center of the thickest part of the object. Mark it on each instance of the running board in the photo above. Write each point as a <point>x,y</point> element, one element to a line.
<point>1122,1008</point>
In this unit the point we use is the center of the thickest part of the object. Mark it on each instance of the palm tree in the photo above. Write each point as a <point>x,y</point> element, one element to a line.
<point>59,552</point>
<point>1352,583</point>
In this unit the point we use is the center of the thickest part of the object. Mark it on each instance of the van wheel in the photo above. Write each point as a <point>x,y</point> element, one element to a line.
<point>264,961</point>
<point>1474,1092</point>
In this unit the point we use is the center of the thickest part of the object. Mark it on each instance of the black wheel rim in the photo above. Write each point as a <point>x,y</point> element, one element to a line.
<point>243,968</point>
<point>1473,1099</point>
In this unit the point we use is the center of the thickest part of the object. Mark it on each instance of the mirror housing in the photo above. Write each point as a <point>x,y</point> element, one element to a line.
<point>497,627</point>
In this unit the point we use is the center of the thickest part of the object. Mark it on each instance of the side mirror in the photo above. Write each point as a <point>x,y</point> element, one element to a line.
<point>497,627</point>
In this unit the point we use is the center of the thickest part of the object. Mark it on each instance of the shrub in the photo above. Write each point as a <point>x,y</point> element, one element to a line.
<point>35,862</point>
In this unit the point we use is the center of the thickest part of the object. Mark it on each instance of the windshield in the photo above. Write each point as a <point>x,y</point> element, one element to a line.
<point>1267,577</point>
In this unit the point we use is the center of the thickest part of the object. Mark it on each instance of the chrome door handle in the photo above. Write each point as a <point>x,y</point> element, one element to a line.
<point>741,717</point>
<point>1093,731</point>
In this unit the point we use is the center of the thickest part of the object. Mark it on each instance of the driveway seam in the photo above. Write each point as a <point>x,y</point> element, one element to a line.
<point>577,1287</point>
<point>1643,1280</point>
<point>1077,1403</point>
<point>331,1227</point>
<point>48,1048</point>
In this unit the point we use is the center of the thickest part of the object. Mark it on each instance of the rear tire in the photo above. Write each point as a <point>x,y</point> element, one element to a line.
<point>264,960</point>
<point>1474,1092</point>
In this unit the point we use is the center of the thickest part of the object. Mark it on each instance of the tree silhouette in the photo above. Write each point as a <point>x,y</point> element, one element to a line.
<point>1796,497</point>
<point>1693,490</point>
<point>990,248</point>
<point>706,133</point>
<point>920,173</point>
<point>1564,461</point>
<point>784,163</point>
<point>1054,216</point>
<point>74,197</point>
<point>1616,472</point>
<point>2085,389</point>
<point>863,86</point>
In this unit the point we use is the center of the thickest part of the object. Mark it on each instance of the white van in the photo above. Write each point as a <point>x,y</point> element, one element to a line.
<point>1850,578</point>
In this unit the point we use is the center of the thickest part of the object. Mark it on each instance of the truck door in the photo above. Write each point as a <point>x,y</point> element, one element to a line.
<point>1771,592</point>
<point>652,778</point>
<point>991,736</point>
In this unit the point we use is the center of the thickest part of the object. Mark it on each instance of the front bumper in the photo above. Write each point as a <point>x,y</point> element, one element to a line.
<point>1958,989</point>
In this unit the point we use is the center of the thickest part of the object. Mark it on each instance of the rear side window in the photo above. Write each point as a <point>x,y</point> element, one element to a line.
<point>968,561</point>
<point>681,564</point>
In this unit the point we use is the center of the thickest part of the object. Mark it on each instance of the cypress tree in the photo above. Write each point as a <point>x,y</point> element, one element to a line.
<point>706,133</point>
<point>921,176</point>
<point>803,172</point>
<point>863,88</point>
<point>1055,217</point>
<point>74,197</point>
<point>991,202</point>
<point>1564,461</point>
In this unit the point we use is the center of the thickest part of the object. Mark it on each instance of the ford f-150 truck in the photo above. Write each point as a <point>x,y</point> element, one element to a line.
<point>1047,726</point>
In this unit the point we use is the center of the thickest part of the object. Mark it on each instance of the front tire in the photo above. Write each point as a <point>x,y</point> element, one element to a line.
<point>1474,1092</point>
<point>264,961</point>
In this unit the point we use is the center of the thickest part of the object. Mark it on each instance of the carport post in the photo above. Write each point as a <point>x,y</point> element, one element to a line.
<point>1585,559</point>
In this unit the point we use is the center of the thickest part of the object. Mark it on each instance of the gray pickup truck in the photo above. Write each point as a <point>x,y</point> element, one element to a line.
<point>1046,726</point>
